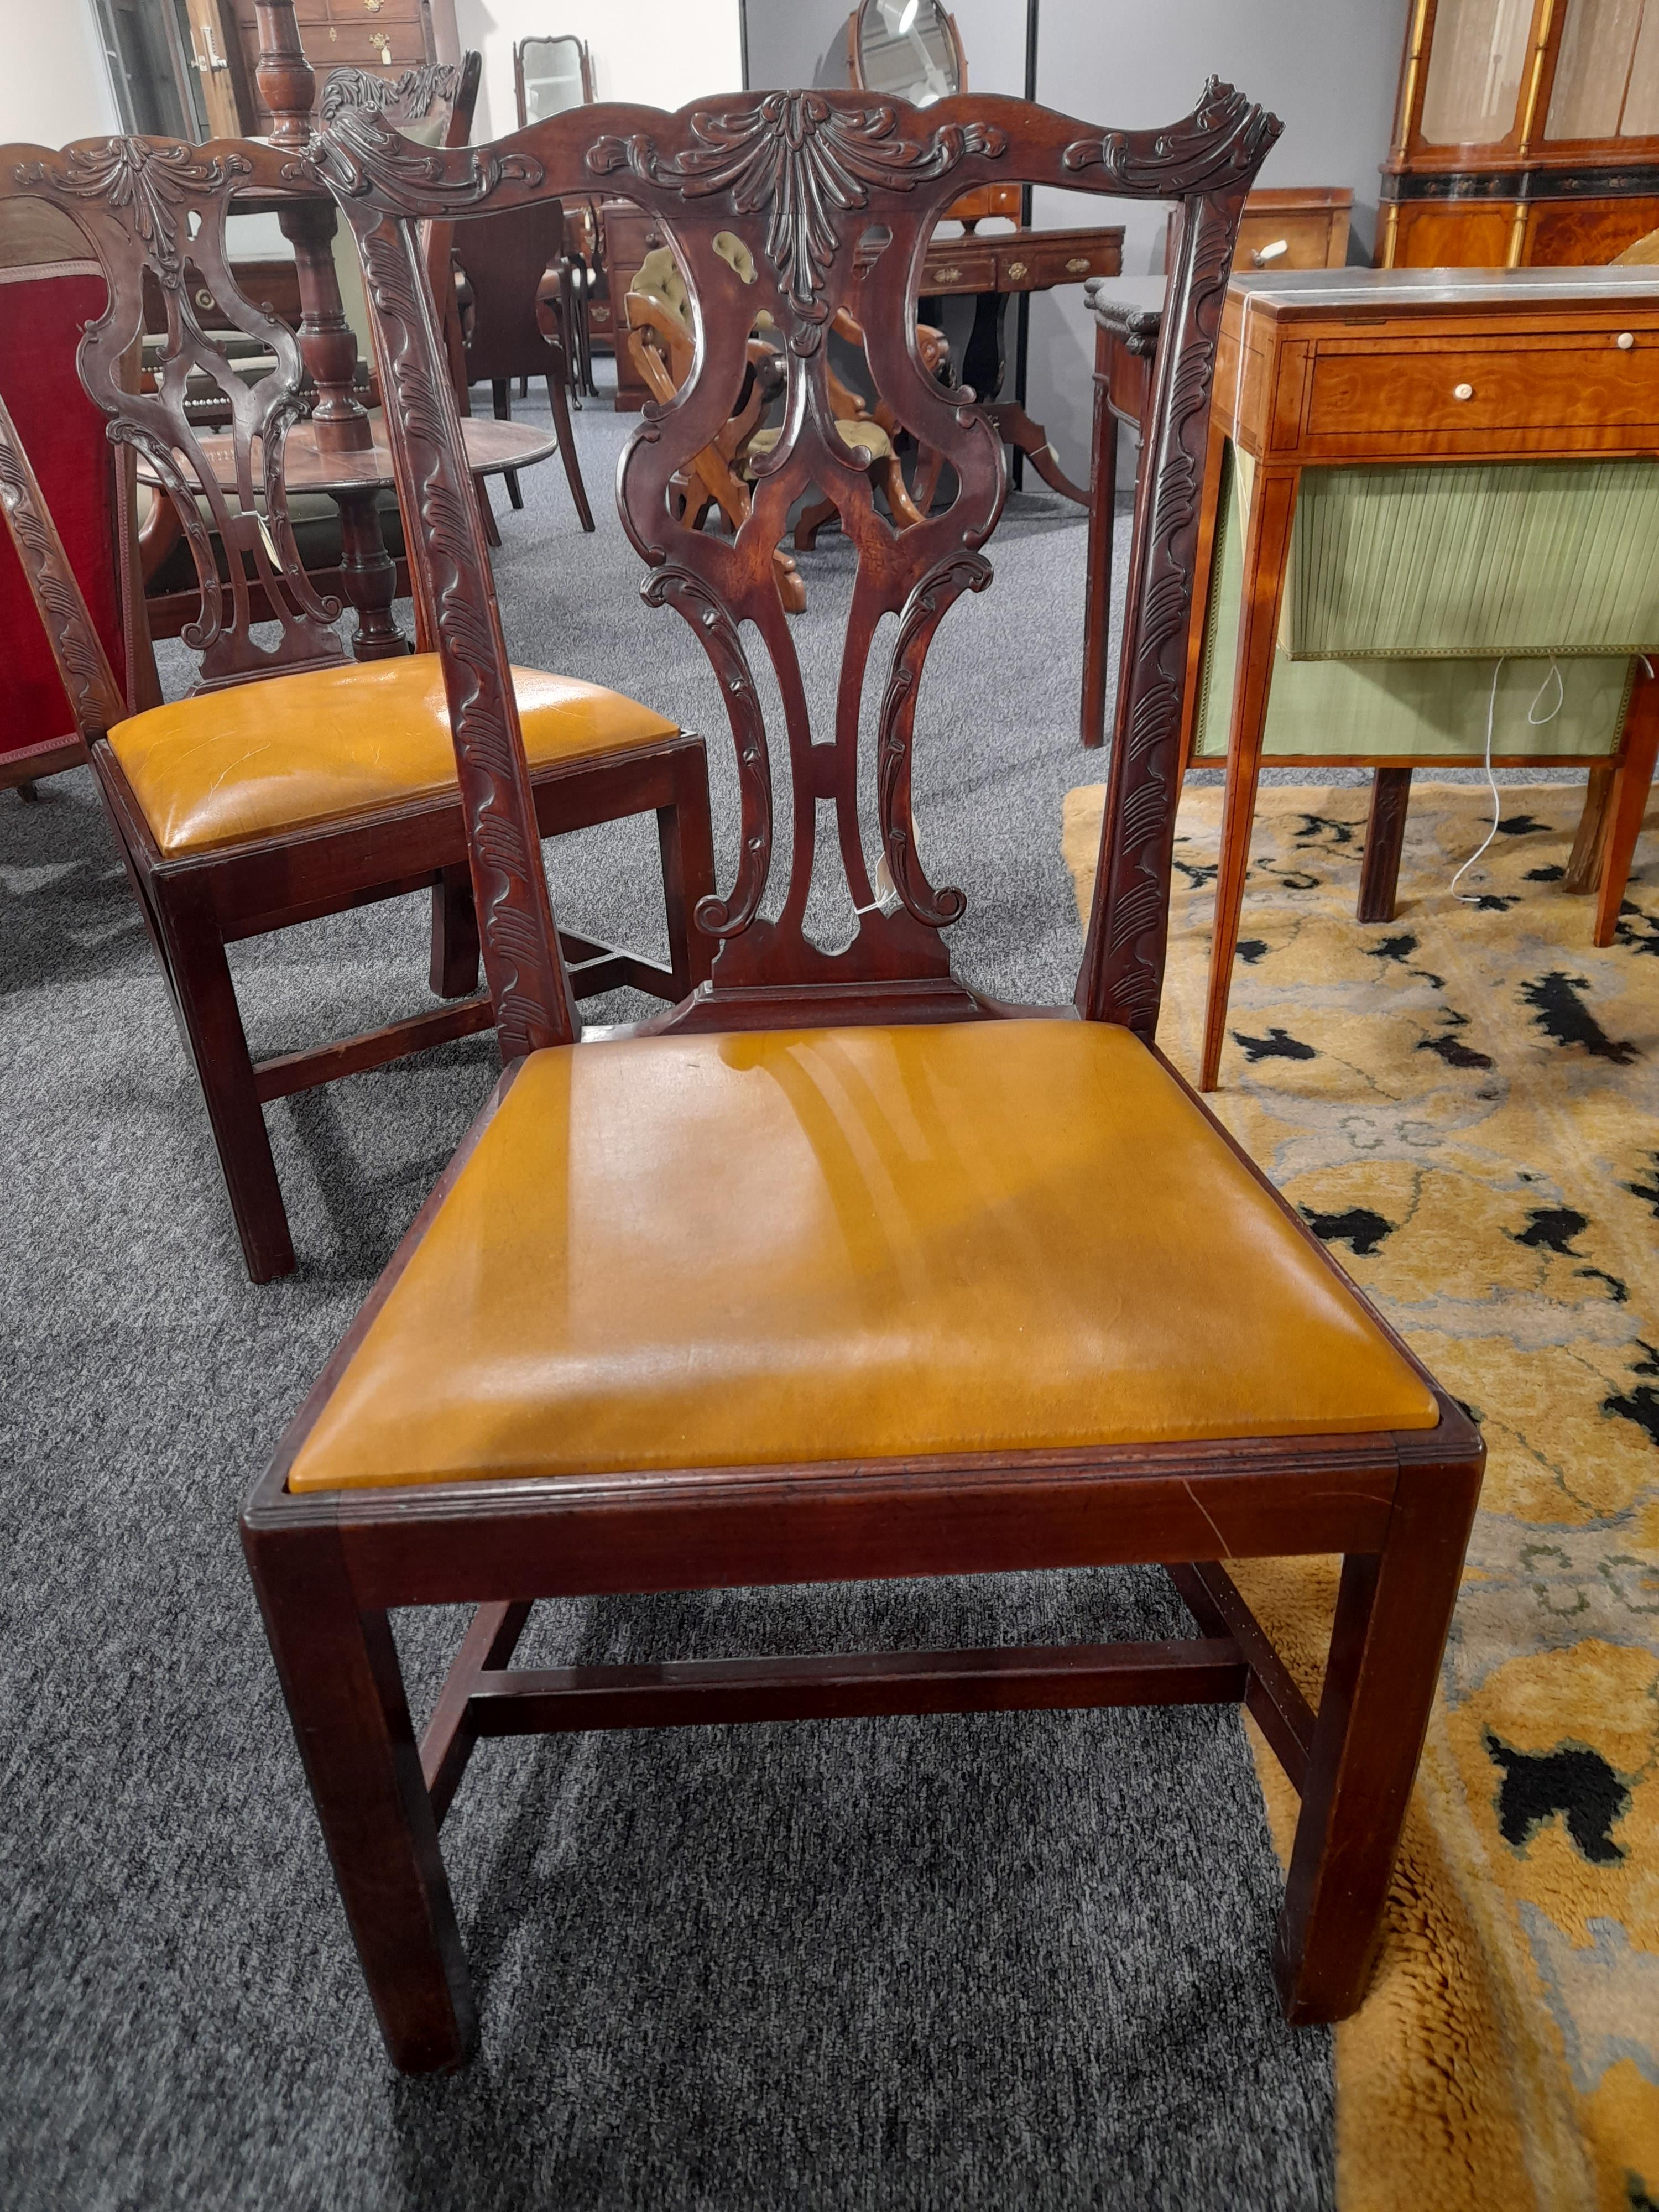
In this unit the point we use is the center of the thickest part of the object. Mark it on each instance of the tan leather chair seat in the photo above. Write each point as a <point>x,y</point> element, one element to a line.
<point>843,1244</point>
<point>292,752</point>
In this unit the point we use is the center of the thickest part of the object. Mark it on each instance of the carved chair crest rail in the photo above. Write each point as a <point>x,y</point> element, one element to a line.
<point>831,1272</point>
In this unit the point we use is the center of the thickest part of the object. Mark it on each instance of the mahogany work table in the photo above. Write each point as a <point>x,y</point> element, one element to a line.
<point>1340,367</point>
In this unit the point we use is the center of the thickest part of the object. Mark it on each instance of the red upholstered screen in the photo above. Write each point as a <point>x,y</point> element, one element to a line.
<point>42,310</point>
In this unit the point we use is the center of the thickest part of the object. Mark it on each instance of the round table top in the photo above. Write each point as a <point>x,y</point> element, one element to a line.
<point>491,448</point>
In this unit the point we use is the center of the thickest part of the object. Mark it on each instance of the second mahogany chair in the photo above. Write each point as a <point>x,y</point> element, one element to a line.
<point>291,783</point>
<point>840,1271</point>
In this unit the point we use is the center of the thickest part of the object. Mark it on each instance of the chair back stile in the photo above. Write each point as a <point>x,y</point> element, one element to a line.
<point>154,212</point>
<point>834,197</point>
<point>94,692</point>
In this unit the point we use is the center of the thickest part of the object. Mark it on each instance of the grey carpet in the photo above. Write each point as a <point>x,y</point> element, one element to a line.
<point>1020,1960</point>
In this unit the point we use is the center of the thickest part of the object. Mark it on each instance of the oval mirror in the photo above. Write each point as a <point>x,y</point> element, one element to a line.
<point>908,48</point>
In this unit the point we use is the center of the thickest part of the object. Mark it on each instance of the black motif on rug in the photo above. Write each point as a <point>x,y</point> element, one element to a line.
<point>1552,873</point>
<point>1566,1020</point>
<point>1635,929</point>
<point>1323,830</point>
<point>1401,949</point>
<point>1519,825</point>
<point>1360,1229</point>
<point>1577,1784</point>
<point>1447,1047</point>
<point>1650,1191</point>
<point>1551,1229</point>
<point>1641,1403</point>
<point>1251,949</point>
<point>1277,1044</point>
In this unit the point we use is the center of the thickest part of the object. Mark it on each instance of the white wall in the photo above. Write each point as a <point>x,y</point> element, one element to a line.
<point>661,52</point>
<point>1329,68</point>
<point>54,86</point>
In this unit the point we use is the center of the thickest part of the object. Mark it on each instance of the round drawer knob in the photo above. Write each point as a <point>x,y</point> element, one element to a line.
<point>1624,341</point>
<point>1462,391</point>
<point>1078,266</point>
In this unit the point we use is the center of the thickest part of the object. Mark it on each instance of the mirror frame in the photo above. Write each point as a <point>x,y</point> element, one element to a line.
<point>855,66</point>
<point>550,39</point>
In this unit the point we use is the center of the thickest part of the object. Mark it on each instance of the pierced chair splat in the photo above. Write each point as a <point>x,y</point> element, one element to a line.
<point>871,1322</point>
<point>291,783</point>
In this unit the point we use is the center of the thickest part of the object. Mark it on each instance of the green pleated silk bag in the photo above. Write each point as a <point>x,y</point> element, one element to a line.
<point>1529,561</point>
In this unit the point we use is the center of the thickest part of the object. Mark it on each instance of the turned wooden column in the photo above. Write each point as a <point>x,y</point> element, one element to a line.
<point>288,86</point>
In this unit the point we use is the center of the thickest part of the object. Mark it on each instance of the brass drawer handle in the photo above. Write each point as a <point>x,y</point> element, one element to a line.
<point>946,276</point>
<point>1016,268</point>
<point>599,314</point>
<point>1078,266</point>
<point>1463,392</point>
<point>1624,341</point>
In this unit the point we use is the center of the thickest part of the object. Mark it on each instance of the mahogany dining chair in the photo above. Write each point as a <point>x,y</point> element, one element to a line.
<point>292,783</point>
<point>839,1270</point>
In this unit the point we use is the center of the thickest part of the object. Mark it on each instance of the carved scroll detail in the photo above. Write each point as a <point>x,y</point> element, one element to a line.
<point>533,1007</point>
<point>412,94</point>
<point>805,162</point>
<point>691,597</point>
<point>928,604</point>
<point>1225,137</point>
<point>361,152</point>
<point>155,180</point>
<point>1210,160</point>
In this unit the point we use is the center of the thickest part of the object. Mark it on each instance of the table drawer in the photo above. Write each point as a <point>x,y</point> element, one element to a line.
<point>1473,387</point>
<point>1306,240</point>
<point>1034,268</point>
<point>954,265</point>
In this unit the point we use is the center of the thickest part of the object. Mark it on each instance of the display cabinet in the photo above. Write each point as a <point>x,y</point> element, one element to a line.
<point>1527,130</point>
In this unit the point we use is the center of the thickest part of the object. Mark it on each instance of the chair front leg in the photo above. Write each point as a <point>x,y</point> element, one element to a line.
<point>1393,1612</point>
<point>211,1024</point>
<point>339,1673</point>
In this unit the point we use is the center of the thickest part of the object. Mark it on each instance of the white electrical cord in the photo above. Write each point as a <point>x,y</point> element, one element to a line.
<point>1537,720</point>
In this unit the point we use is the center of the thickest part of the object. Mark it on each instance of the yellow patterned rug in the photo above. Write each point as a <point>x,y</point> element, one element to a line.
<point>1465,1105</point>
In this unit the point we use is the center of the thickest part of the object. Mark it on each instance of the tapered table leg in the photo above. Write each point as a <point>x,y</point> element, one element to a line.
<point>1632,782</point>
<point>1267,550</point>
<point>1385,834</point>
<point>1097,584</point>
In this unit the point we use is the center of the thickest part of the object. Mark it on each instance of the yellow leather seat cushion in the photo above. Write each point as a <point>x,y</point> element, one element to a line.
<point>841,1244</point>
<point>291,751</point>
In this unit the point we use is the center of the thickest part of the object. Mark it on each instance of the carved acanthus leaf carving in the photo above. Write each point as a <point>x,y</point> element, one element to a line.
<point>155,181</point>
<point>412,94</point>
<point>359,151</point>
<point>1226,135</point>
<point>805,162</point>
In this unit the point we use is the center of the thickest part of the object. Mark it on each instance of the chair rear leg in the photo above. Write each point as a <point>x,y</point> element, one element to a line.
<point>212,1026</point>
<point>687,840</point>
<point>1393,1612</point>
<point>559,401</point>
<point>454,935</point>
<point>339,1673</point>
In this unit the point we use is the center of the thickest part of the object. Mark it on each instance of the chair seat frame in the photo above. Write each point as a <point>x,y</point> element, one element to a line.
<point>195,904</point>
<point>1397,1507</point>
